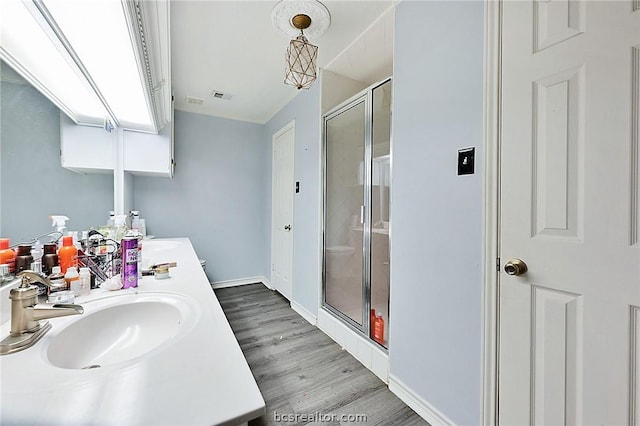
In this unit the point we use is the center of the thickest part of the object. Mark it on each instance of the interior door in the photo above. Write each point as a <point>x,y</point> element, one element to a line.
<point>282,211</point>
<point>569,325</point>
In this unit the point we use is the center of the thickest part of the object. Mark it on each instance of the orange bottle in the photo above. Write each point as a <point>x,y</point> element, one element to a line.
<point>378,330</point>
<point>7,255</point>
<point>372,322</point>
<point>67,254</point>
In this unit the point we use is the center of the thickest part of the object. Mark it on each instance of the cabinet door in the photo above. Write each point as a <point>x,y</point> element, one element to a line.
<point>149,154</point>
<point>86,148</point>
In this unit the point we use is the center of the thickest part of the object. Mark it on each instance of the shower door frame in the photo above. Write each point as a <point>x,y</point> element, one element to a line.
<point>365,96</point>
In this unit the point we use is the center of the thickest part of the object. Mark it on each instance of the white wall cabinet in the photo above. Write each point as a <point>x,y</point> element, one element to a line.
<point>148,154</point>
<point>86,149</point>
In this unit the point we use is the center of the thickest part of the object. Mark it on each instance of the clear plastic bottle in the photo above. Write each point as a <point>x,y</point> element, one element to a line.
<point>36,251</point>
<point>85,282</point>
<point>73,280</point>
<point>59,292</point>
<point>135,221</point>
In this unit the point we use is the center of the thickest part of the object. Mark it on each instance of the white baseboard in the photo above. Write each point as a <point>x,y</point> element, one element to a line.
<point>242,281</point>
<point>419,405</point>
<point>304,313</point>
<point>369,355</point>
<point>267,283</point>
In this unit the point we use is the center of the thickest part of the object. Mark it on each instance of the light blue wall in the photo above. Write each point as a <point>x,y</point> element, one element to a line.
<point>33,183</point>
<point>217,197</point>
<point>437,216</point>
<point>305,109</point>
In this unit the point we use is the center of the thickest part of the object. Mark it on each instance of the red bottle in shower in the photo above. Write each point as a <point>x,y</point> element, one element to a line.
<point>378,330</point>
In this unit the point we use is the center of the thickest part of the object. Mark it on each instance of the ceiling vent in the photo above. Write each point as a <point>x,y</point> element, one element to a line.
<point>216,94</point>
<point>194,100</point>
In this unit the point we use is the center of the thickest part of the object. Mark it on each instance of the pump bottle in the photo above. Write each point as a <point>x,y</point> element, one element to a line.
<point>60,223</point>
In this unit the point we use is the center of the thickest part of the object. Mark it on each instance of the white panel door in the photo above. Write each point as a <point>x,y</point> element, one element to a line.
<point>282,211</point>
<point>568,347</point>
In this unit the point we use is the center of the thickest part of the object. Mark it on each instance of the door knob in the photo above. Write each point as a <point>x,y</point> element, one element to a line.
<point>515,267</point>
<point>287,227</point>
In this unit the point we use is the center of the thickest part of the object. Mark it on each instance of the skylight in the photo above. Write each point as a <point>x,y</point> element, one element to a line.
<point>83,56</point>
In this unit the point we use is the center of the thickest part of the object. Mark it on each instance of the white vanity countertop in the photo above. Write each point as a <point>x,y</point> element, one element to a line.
<point>202,378</point>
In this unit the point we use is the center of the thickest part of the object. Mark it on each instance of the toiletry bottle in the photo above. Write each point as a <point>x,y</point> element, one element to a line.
<point>372,321</point>
<point>72,278</point>
<point>378,330</point>
<point>135,220</point>
<point>57,280</point>
<point>67,255</point>
<point>120,227</point>
<point>36,251</point>
<point>60,223</point>
<point>85,282</point>
<point>76,240</point>
<point>110,222</point>
<point>59,292</point>
<point>43,290</point>
<point>7,255</point>
<point>49,258</point>
<point>5,276</point>
<point>23,257</point>
<point>135,231</point>
<point>129,266</point>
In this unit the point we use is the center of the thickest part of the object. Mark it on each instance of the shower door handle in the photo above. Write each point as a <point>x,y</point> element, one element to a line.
<point>362,214</point>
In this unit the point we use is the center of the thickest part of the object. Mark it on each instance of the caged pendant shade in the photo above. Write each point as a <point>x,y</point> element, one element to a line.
<point>301,57</point>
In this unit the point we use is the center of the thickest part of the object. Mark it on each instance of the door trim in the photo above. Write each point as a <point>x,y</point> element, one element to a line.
<point>289,126</point>
<point>491,197</point>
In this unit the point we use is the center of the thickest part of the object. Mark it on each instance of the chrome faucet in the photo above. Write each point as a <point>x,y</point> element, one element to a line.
<point>26,315</point>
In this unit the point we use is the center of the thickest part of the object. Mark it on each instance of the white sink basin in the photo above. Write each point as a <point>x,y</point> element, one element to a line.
<point>159,245</point>
<point>121,328</point>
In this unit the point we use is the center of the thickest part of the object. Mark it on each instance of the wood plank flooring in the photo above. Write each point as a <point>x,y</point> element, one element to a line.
<point>300,370</point>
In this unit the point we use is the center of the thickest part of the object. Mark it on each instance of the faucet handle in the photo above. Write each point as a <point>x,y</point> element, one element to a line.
<point>25,278</point>
<point>31,277</point>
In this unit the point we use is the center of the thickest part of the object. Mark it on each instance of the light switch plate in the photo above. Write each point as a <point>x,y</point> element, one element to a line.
<point>466,161</point>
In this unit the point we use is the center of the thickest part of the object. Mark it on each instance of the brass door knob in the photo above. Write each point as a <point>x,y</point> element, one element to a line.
<point>515,267</point>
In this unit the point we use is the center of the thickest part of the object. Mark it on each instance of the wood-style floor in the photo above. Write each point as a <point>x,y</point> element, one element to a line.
<point>300,370</point>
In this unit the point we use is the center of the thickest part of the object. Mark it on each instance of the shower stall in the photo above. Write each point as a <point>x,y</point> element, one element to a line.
<point>357,169</point>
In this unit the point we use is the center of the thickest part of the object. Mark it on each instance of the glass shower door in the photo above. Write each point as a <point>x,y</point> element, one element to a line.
<point>344,211</point>
<point>380,206</point>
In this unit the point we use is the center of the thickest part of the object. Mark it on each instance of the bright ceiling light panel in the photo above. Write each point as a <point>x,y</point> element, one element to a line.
<point>30,50</point>
<point>107,54</point>
<point>79,54</point>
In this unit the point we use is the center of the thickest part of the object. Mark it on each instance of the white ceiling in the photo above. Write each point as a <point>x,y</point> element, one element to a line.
<point>232,47</point>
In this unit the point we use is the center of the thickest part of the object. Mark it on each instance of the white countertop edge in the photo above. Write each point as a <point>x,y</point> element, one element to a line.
<point>204,379</point>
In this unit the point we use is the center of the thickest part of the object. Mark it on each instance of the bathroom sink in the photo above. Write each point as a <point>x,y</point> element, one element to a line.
<point>122,328</point>
<point>159,245</point>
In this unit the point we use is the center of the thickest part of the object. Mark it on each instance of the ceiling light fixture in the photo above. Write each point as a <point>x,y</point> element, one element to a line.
<point>291,17</point>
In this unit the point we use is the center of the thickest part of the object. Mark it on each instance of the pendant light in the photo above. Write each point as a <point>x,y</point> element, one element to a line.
<point>300,19</point>
<point>301,56</point>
